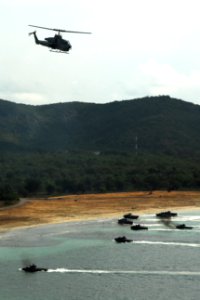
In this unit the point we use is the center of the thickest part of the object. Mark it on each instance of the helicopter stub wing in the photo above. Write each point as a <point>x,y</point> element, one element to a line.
<point>60,30</point>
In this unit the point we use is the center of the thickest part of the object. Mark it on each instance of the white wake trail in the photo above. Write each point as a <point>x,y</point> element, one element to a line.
<point>142,272</point>
<point>167,243</point>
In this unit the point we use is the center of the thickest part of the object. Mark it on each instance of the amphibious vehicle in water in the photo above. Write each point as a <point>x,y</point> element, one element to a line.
<point>183,226</point>
<point>139,227</point>
<point>33,268</point>
<point>130,216</point>
<point>122,239</point>
<point>166,214</point>
<point>125,221</point>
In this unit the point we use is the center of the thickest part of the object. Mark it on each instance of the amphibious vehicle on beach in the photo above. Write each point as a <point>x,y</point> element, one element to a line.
<point>130,216</point>
<point>166,214</point>
<point>139,227</point>
<point>122,239</point>
<point>33,268</point>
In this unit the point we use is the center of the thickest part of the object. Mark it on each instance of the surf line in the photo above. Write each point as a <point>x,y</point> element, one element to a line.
<point>142,272</point>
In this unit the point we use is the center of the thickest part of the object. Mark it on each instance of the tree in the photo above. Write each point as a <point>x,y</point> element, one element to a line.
<point>7,194</point>
<point>32,185</point>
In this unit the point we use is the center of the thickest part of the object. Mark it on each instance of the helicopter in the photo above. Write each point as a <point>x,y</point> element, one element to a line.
<point>56,43</point>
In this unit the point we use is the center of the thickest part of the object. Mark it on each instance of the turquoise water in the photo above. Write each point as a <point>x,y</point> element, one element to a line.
<point>84,262</point>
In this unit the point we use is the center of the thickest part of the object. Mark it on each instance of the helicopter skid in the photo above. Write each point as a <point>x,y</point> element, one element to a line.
<point>58,51</point>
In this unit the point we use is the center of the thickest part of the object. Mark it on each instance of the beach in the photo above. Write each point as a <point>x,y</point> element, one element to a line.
<point>33,212</point>
<point>74,238</point>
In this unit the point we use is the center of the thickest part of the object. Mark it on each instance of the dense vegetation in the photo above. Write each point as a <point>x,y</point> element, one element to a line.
<point>68,173</point>
<point>143,144</point>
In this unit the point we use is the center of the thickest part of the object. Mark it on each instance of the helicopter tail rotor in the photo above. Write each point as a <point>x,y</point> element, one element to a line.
<point>30,33</point>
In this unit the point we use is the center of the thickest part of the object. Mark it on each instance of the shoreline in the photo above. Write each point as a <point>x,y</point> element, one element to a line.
<point>77,208</point>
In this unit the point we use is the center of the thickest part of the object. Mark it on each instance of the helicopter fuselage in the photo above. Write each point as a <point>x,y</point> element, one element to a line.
<point>57,42</point>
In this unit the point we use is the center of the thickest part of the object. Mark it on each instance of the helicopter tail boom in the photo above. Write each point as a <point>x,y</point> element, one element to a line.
<point>37,41</point>
<point>35,37</point>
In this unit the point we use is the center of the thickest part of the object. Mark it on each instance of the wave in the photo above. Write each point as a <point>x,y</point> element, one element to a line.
<point>140,272</point>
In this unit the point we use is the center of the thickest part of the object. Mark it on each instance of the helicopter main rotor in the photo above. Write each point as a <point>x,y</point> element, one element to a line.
<point>60,30</point>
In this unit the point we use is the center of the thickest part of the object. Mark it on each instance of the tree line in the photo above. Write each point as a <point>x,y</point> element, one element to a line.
<point>44,174</point>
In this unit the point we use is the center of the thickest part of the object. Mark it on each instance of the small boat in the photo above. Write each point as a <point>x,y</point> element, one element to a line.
<point>124,221</point>
<point>166,214</point>
<point>183,226</point>
<point>122,239</point>
<point>33,268</point>
<point>139,227</point>
<point>130,216</point>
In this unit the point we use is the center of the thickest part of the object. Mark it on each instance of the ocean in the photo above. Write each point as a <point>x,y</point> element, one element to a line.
<point>84,261</point>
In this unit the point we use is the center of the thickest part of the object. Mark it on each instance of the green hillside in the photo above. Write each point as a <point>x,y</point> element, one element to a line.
<point>161,125</point>
<point>142,144</point>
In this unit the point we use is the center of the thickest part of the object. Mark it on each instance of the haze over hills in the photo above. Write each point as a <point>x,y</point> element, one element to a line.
<point>152,124</point>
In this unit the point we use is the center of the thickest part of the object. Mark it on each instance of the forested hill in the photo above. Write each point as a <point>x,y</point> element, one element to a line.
<point>156,124</point>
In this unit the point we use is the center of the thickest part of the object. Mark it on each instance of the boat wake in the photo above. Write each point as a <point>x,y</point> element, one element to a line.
<point>142,272</point>
<point>167,243</point>
<point>177,219</point>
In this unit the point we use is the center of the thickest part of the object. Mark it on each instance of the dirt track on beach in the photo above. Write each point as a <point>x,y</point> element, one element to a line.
<point>93,206</point>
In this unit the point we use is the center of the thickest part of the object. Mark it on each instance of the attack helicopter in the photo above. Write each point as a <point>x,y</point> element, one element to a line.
<point>56,43</point>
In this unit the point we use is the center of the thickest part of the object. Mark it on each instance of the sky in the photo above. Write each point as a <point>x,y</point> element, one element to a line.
<point>137,48</point>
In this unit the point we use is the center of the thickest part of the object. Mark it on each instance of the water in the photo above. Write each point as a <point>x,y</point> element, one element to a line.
<point>84,262</point>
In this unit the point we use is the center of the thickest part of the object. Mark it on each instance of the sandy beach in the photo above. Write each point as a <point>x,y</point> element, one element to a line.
<point>33,212</point>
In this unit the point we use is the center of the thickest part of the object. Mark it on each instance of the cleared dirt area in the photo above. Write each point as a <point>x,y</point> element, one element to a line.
<point>34,212</point>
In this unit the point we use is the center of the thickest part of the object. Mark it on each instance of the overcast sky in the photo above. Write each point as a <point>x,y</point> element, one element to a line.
<point>137,48</point>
